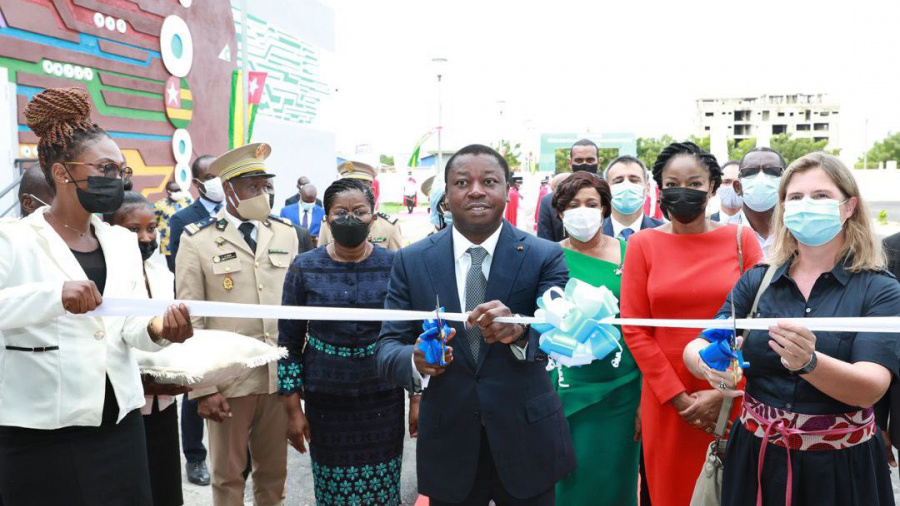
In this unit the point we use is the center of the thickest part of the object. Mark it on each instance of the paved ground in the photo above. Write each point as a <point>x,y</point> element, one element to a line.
<point>300,482</point>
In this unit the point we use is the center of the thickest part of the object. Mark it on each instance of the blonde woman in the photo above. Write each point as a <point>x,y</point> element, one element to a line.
<point>810,394</point>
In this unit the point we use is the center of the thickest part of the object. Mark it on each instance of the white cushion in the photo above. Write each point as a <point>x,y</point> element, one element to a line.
<point>207,359</point>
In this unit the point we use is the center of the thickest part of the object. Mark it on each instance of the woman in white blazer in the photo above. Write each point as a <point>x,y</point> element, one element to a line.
<point>70,392</point>
<point>160,411</point>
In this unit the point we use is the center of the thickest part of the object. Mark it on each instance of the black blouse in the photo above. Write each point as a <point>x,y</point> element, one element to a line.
<point>93,263</point>
<point>838,293</point>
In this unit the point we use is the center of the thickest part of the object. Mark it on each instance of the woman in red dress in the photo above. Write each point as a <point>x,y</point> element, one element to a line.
<point>683,269</point>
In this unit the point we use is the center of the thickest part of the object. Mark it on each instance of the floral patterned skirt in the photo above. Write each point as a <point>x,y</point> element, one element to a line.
<point>357,447</point>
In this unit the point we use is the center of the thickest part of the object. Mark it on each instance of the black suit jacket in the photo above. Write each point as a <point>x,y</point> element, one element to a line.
<point>887,410</point>
<point>646,222</point>
<point>305,239</point>
<point>549,225</point>
<point>512,400</point>
<point>190,214</point>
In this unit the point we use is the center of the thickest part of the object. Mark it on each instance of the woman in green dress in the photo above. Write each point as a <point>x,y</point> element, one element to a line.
<point>600,401</point>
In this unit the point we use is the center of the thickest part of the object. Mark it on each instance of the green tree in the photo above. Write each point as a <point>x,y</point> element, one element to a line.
<point>882,151</point>
<point>736,151</point>
<point>386,160</point>
<point>510,152</point>
<point>648,148</point>
<point>562,160</point>
<point>792,149</point>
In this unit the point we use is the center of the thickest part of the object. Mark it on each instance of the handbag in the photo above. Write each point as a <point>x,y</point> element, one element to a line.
<point>708,490</point>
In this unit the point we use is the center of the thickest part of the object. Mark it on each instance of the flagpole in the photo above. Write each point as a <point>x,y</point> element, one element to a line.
<point>244,77</point>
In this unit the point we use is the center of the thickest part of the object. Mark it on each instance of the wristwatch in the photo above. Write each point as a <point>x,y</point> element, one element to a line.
<point>808,368</point>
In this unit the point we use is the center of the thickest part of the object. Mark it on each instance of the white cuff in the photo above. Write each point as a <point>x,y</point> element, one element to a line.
<point>520,352</point>
<point>420,382</point>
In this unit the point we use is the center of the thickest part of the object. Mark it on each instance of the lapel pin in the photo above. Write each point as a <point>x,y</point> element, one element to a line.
<point>519,248</point>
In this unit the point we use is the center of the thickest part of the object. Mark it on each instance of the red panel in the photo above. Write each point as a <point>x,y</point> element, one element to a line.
<point>130,83</point>
<point>126,51</point>
<point>118,99</point>
<point>38,18</point>
<point>143,22</point>
<point>82,20</point>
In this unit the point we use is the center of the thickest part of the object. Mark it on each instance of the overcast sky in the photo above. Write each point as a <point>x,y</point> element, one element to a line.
<point>600,66</point>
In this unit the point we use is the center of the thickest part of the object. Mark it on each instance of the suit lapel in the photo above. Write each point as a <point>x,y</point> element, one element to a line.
<point>234,236</point>
<point>505,264</point>
<point>56,248</point>
<point>608,228</point>
<point>113,264</point>
<point>441,268</point>
<point>263,236</point>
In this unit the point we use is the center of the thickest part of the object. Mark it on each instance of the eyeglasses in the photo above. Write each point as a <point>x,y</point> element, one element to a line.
<point>771,171</point>
<point>109,169</point>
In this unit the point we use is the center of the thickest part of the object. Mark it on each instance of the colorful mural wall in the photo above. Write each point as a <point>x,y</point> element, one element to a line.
<point>159,73</point>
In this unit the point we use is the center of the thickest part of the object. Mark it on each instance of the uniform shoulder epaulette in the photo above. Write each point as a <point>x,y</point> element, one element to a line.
<point>193,228</point>
<point>392,221</point>
<point>279,219</point>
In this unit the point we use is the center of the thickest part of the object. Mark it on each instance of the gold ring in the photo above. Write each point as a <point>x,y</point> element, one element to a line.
<point>698,421</point>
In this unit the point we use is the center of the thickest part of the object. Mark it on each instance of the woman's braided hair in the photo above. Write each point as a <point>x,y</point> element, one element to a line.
<point>691,149</point>
<point>61,117</point>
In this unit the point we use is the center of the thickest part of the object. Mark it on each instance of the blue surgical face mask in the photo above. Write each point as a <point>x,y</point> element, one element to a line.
<point>729,197</point>
<point>813,222</point>
<point>760,191</point>
<point>448,218</point>
<point>307,206</point>
<point>627,197</point>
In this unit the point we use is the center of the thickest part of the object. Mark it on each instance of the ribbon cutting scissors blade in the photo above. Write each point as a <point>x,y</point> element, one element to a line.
<point>734,362</point>
<point>440,326</point>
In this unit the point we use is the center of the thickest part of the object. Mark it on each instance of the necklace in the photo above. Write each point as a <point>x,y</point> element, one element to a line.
<point>347,260</point>
<point>81,234</point>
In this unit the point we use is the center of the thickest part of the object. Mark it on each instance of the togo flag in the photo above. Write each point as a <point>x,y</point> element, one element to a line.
<point>179,102</point>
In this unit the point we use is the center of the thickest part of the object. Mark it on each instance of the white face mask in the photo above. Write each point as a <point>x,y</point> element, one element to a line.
<point>176,196</point>
<point>583,223</point>
<point>214,189</point>
<point>760,191</point>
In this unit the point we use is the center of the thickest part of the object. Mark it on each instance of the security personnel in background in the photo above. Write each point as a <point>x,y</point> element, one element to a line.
<point>385,231</point>
<point>241,254</point>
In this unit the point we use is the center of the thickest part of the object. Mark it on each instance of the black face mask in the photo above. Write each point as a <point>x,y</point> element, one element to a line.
<point>147,248</point>
<point>349,232</point>
<point>104,195</point>
<point>586,167</point>
<point>683,204</point>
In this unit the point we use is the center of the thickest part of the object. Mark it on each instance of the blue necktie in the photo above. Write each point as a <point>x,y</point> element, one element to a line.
<point>626,233</point>
<point>305,219</point>
<point>216,209</point>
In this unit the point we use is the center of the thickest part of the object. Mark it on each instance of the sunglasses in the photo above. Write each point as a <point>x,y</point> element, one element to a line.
<point>771,171</point>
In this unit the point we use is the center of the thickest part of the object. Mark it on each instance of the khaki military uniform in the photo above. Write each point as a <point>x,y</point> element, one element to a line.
<point>385,232</point>
<point>215,263</point>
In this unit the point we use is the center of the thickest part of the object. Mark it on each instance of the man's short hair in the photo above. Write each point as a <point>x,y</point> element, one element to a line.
<point>627,159</point>
<point>765,150</point>
<point>584,142</point>
<point>195,167</point>
<point>478,149</point>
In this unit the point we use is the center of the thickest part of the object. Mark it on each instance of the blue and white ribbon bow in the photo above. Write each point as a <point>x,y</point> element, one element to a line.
<point>573,334</point>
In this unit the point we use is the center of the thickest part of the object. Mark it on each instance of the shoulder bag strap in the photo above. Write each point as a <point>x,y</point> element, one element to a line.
<point>722,422</point>
<point>740,229</point>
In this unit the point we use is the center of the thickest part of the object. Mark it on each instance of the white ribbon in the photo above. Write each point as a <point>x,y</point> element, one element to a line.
<point>156,307</point>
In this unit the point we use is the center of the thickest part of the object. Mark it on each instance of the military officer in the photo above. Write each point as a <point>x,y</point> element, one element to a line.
<point>385,231</point>
<point>241,255</point>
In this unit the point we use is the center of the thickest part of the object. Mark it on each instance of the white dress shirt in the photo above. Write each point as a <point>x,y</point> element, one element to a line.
<point>462,260</point>
<point>734,219</point>
<point>765,243</point>
<point>237,222</point>
<point>635,226</point>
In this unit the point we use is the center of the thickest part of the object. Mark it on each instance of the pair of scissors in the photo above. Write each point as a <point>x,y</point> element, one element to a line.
<point>733,342</point>
<point>440,325</point>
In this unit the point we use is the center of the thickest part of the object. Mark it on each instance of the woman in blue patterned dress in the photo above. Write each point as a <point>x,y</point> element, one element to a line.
<point>353,421</point>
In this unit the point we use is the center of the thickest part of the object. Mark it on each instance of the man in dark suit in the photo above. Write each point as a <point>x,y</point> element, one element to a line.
<point>207,205</point>
<point>583,155</point>
<point>301,182</point>
<point>491,426</point>
<point>628,181</point>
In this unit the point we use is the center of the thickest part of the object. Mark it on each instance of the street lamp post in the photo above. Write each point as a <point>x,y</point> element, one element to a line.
<point>439,63</point>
